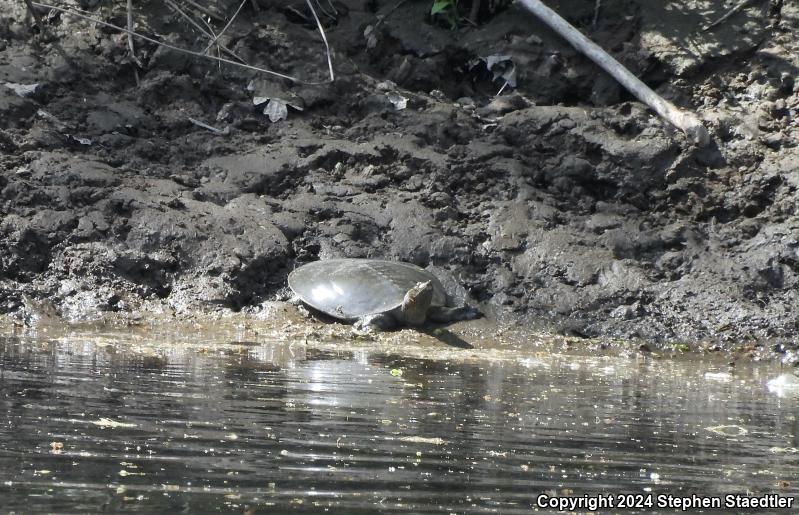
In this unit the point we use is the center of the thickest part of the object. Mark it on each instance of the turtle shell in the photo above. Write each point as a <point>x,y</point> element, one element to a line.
<point>352,288</point>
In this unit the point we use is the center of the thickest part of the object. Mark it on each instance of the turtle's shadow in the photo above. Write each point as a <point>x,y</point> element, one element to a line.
<point>447,337</point>
<point>441,334</point>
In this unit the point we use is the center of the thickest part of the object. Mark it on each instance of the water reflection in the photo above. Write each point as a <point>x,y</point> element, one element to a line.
<point>90,426</point>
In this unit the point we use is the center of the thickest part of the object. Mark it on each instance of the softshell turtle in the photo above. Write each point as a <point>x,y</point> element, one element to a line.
<point>375,294</point>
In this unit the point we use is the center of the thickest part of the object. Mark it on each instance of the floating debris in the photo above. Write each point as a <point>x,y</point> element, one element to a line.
<point>721,377</point>
<point>422,439</point>
<point>107,422</point>
<point>731,430</point>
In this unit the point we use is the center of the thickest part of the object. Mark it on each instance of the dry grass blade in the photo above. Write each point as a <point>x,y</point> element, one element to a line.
<point>174,7</point>
<point>324,38</point>
<point>178,49</point>
<point>216,37</point>
<point>324,11</point>
<point>207,33</point>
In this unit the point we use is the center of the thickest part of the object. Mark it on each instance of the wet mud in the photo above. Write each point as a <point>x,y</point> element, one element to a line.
<point>559,205</point>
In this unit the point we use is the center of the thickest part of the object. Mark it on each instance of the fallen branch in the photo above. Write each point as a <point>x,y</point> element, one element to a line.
<point>687,122</point>
<point>185,51</point>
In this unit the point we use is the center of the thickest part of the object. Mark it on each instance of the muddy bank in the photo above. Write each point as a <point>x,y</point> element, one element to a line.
<point>560,205</point>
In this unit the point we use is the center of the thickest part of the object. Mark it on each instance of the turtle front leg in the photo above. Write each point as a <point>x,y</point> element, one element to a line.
<point>444,315</point>
<point>375,323</point>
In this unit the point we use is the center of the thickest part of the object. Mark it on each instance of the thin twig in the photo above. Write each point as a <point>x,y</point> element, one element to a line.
<point>324,38</point>
<point>389,13</point>
<point>178,49</point>
<point>130,28</point>
<point>204,10</point>
<point>206,33</point>
<point>687,122</point>
<point>729,14</point>
<point>176,8</point>
<point>324,11</point>
<point>595,21</point>
<point>131,49</point>
<point>213,34</point>
<point>217,36</point>
<point>333,7</point>
<point>221,132</point>
<point>43,31</point>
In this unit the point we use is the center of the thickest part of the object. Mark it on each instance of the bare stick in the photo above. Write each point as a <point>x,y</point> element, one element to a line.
<point>211,31</point>
<point>216,37</point>
<point>204,10</point>
<point>178,49</point>
<point>221,132</point>
<point>727,16</point>
<point>130,29</point>
<point>324,38</point>
<point>687,122</point>
<point>207,33</point>
<point>389,13</point>
<point>132,51</point>
<point>188,18</point>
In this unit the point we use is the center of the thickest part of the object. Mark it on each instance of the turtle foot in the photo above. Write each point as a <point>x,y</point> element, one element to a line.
<point>443,315</point>
<point>375,323</point>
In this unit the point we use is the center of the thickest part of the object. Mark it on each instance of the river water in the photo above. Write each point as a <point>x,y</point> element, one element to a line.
<point>90,425</point>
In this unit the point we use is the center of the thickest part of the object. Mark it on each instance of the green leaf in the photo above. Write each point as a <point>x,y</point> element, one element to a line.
<point>440,6</point>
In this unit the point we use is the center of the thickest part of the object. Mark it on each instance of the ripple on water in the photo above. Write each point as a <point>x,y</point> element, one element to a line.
<point>92,426</point>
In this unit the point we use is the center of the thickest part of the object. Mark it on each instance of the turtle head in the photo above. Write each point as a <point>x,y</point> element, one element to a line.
<point>416,303</point>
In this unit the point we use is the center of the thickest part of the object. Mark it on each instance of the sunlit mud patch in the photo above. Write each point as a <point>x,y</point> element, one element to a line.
<point>167,419</point>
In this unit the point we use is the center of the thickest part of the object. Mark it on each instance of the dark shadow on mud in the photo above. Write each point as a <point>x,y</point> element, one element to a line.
<point>447,337</point>
<point>437,331</point>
